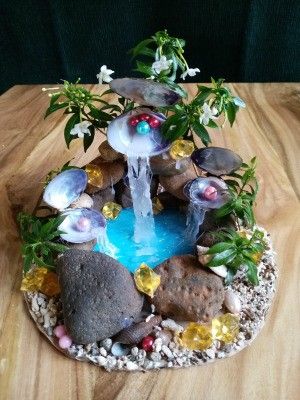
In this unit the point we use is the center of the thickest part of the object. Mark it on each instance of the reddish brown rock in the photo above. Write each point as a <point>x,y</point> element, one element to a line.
<point>165,165</point>
<point>187,291</point>
<point>112,172</point>
<point>107,153</point>
<point>175,184</point>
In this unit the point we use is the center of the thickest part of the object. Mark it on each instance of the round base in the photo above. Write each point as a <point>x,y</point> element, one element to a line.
<point>256,302</point>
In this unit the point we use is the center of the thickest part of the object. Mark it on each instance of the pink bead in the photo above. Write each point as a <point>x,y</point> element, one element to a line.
<point>59,331</point>
<point>83,224</point>
<point>65,342</point>
<point>154,122</point>
<point>210,193</point>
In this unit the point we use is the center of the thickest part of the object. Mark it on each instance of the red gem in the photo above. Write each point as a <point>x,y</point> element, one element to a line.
<point>147,343</point>
<point>144,117</point>
<point>154,122</point>
<point>210,193</point>
<point>133,121</point>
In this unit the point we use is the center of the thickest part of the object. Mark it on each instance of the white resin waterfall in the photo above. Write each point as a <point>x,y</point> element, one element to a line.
<point>195,217</point>
<point>104,244</point>
<point>139,175</point>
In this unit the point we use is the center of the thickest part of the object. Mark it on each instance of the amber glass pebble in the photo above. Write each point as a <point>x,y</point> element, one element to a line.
<point>196,337</point>
<point>225,327</point>
<point>111,210</point>
<point>181,149</point>
<point>146,280</point>
<point>50,286</point>
<point>33,280</point>
<point>95,175</point>
<point>157,206</point>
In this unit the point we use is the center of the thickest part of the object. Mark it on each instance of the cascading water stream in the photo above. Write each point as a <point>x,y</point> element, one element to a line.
<point>195,217</point>
<point>139,175</point>
<point>105,246</point>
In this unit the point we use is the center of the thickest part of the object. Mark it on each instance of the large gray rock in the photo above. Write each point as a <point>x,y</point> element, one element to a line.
<point>98,295</point>
<point>187,291</point>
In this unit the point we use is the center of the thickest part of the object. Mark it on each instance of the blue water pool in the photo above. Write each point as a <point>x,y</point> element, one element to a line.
<point>169,239</point>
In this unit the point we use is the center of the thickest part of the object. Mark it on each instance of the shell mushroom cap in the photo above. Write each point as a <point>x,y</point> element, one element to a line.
<point>65,188</point>
<point>194,190</point>
<point>217,160</point>
<point>69,226</point>
<point>124,138</point>
<point>145,92</point>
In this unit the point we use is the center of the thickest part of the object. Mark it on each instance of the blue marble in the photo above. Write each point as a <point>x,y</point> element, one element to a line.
<point>143,128</point>
<point>169,239</point>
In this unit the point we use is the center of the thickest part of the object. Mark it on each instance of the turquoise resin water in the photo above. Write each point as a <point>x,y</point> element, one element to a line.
<point>169,240</point>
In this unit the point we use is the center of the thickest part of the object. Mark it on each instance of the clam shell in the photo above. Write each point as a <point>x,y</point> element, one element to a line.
<point>135,333</point>
<point>145,92</point>
<point>194,190</point>
<point>65,188</point>
<point>123,137</point>
<point>73,233</point>
<point>217,160</point>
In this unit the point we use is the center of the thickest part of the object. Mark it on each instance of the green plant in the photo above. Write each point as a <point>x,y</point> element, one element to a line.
<point>39,236</point>
<point>236,249</point>
<point>243,190</point>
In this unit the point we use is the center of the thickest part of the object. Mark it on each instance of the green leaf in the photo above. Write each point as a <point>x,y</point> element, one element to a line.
<point>144,68</point>
<point>212,124</point>
<point>140,47</point>
<point>58,247</point>
<point>219,248</point>
<point>75,119</point>
<point>231,112</point>
<point>55,107</point>
<point>54,98</point>
<point>201,132</point>
<point>88,139</point>
<point>175,126</point>
<point>99,114</point>
<point>252,272</point>
<point>223,258</point>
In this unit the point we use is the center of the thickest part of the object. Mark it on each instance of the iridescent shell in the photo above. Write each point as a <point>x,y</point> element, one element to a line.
<point>135,333</point>
<point>65,188</point>
<point>81,225</point>
<point>217,160</point>
<point>124,138</point>
<point>145,92</point>
<point>195,189</point>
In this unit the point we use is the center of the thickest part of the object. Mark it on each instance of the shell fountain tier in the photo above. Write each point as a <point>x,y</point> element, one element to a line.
<point>79,225</point>
<point>137,134</point>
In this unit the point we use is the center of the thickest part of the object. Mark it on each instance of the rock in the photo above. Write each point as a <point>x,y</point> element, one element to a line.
<point>170,201</point>
<point>107,153</point>
<point>98,295</point>
<point>175,184</point>
<point>187,292</point>
<point>165,165</point>
<point>111,172</point>
<point>123,193</point>
<point>102,197</point>
<point>232,302</point>
<point>211,224</point>
<point>83,201</point>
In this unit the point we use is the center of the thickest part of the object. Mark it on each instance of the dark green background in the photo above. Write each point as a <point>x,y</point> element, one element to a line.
<point>43,41</point>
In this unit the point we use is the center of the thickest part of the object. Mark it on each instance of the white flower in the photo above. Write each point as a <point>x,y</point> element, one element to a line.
<point>208,113</point>
<point>104,74</point>
<point>189,72</point>
<point>81,129</point>
<point>161,65</point>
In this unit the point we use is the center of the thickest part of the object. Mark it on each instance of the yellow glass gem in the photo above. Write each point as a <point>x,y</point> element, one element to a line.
<point>50,286</point>
<point>225,327</point>
<point>256,257</point>
<point>33,280</point>
<point>95,175</point>
<point>146,280</point>
<point>181,149</point>
<point>156,205</point>
<point>196,337</point>
<point>111,210</point>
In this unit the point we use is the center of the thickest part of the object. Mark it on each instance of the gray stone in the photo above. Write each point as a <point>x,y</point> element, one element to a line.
<point>102,197</point>
<point>98,295</point>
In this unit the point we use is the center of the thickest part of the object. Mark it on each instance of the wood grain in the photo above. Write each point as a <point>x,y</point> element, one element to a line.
<point>32,369</point>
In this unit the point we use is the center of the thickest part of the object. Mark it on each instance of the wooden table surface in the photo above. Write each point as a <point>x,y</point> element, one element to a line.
<point>269,369</point>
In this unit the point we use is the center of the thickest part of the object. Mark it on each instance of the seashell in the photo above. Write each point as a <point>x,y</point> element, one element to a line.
<point>84,201</point>
<point>195,191</point>
<point>124,138</point>
<point>232,302</point>
<point>203,258</point>
<point>217,160</point>
<point>135,333</point>
<point>145,92</point>
<point>81,225</point>
<point>119,349</point>
<point>65,188</point>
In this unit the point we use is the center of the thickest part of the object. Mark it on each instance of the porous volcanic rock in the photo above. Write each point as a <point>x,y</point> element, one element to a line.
<point>175,184</point>
<point>98,295</point>
<point>187,291</point>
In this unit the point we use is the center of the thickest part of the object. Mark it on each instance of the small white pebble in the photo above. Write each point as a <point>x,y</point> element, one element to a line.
<point>157,344</point>
<point>103,352</point>
<point>210,353</point>
<point>101,361</point>
<point>167,352</point>
<point>131,366</point>
<point>135,351</point>
<point>46,321</point>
